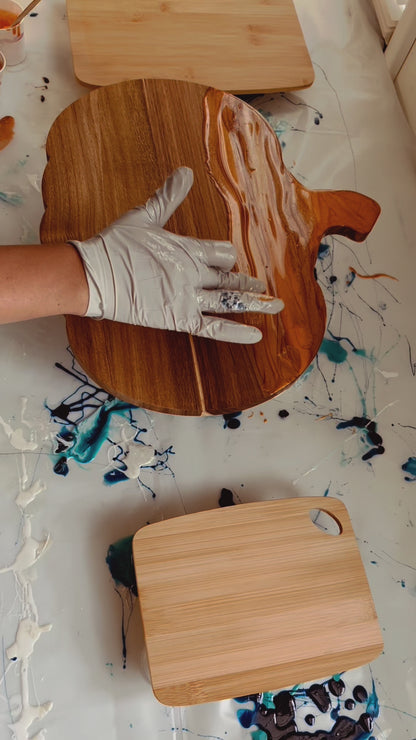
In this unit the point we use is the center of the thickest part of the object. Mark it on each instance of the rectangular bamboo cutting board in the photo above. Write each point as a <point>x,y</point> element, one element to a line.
<point>262,43</point>
<point>252,598</point>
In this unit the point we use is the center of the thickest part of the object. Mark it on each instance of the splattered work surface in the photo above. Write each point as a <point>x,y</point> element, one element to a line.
<point>81,471</point>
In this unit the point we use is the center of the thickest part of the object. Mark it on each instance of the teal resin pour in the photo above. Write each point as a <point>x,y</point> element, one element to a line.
<point>88,414</point>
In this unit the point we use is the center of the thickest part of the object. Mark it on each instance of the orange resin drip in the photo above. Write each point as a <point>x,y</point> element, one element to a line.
<point>6,131</point>
<point>372,277</point>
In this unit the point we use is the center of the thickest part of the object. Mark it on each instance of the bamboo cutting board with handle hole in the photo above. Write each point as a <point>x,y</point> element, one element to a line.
<point>261,41</point>
<point>109,151</point>
<point>250,598</point>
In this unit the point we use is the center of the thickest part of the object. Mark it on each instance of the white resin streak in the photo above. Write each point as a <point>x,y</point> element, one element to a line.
<point>28,629</point>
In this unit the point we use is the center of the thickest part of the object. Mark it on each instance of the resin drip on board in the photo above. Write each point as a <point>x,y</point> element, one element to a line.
<point>267,206</point>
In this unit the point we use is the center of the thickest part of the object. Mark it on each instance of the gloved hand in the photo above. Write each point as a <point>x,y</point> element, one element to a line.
<point>139,273</point>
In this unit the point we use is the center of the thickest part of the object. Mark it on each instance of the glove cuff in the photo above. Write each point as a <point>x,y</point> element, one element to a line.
<point>99,275</point>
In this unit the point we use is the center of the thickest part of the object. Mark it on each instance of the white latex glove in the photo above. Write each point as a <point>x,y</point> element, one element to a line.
<point>139,273</point>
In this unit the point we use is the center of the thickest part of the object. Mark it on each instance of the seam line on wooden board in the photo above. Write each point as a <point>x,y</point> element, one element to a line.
<point>198,376</point>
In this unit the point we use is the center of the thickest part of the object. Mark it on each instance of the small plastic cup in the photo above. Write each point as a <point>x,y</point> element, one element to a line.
<point>12,40</point>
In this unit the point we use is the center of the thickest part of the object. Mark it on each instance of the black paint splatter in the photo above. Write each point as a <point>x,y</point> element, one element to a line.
<point>226,498</point>
<point>279,722</point>
<point>320,697</point>
<point>283,414</point>
<point>336,686</point>
<point>370,429</point>
<point>231,421</point>
<point>360,694</point>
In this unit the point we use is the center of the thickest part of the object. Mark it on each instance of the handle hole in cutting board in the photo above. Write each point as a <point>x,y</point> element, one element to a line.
<point>325,522</point>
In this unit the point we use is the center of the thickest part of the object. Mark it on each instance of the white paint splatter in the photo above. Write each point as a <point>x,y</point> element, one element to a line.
<point>386,374</point>
<point>29,715</point>
<point>28,633</point>
<point>136,457</point>
<point>23,712</point>
<point>28,494</point>
<point>16,438</point>
<point>29,553</point>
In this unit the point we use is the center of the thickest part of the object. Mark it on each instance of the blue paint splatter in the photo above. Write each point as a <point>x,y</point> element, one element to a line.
<point>409,467</point>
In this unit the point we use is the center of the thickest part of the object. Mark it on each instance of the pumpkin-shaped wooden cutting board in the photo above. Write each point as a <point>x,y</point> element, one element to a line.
<point>110,150</point>
<point>251,598</point>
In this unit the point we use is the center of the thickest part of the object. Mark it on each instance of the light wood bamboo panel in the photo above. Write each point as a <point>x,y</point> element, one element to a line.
<point>109,151</point>
<point>236,45</point>
<point>250,598</point>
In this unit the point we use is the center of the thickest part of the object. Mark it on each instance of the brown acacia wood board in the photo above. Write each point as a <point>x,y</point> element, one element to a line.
<point>251,598</point>
<point>236,45</point>
<point>110,150</point>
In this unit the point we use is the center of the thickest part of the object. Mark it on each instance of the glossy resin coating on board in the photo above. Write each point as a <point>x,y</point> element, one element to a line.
<point>110,150</point>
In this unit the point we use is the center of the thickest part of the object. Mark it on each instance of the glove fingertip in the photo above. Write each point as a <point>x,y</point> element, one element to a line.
<point>224,330</point>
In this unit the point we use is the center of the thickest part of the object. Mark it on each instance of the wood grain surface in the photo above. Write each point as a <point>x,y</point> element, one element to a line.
<point>251,598</point>
<point>110,150</point>
<point>187,40</point>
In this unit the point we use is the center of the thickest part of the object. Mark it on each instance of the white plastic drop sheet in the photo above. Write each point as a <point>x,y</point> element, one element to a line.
<point>72,657</point>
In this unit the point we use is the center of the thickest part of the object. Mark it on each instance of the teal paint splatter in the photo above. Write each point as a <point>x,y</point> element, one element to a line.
<point>11,199</point>
<point>334,351</point>
<point>120,562</point>
<point>83,441</point>
<point>110,667</point>
<point>373,706</point>
<point>409,467</point>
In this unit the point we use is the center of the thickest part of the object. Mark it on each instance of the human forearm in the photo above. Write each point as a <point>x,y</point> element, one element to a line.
<point>41,280</point>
